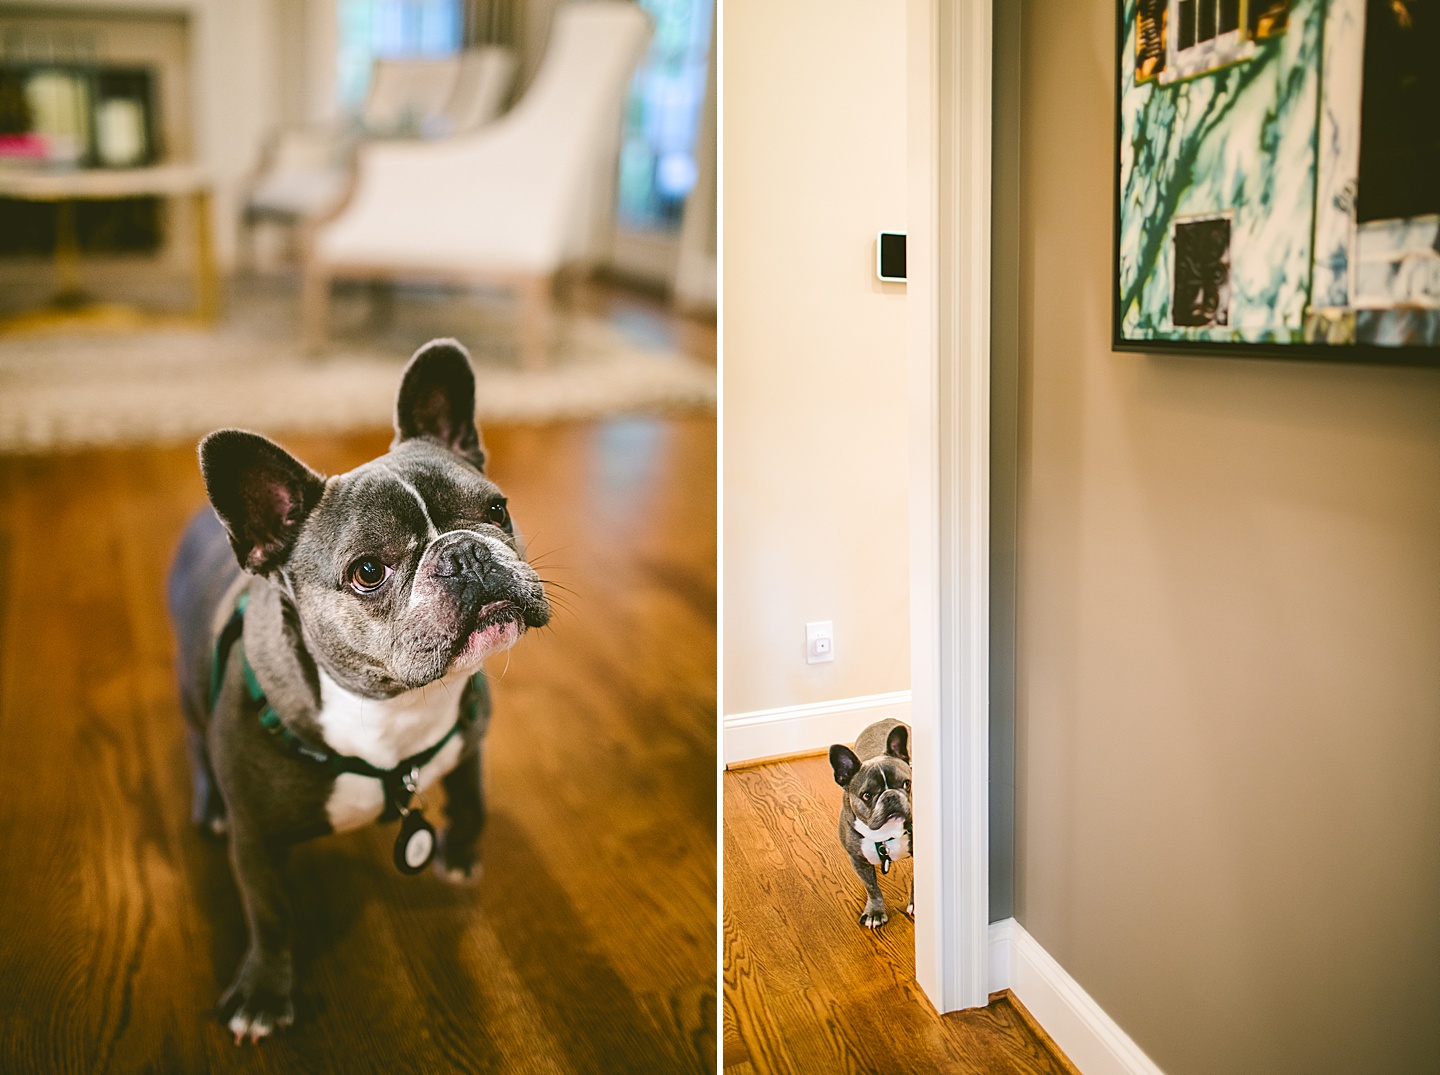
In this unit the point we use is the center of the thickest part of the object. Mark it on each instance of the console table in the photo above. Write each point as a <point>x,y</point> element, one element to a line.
<point>69,307</point>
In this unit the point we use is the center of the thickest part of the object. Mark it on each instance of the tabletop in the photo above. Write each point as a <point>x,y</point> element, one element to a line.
<point>43,185</point>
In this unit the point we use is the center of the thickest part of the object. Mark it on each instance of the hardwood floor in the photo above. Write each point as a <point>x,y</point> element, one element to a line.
<point>589,944</point>
<point>807,989</point>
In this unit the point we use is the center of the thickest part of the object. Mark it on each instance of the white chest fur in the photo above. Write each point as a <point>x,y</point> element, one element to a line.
<point>384,732</point>
<point>892,834</point>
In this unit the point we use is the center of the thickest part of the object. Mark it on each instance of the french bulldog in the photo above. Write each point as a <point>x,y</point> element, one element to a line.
<point>330,634</point>
<point>875,809</point>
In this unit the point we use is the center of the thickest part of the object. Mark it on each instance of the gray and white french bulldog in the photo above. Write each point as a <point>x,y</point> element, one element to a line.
<point>875,809</point>
<point>330,632</point>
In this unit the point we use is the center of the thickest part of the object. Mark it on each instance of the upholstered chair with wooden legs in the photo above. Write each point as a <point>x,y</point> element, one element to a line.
<point>509,205</point>
<point>305,171</point>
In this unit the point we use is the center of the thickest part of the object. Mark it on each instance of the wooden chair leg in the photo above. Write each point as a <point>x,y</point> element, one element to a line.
<point>246,260</point>
<point>382,304</point>
<point>314,294</point>
<point>314,307</point>
<point>536,299</point>
<point>207,277</point>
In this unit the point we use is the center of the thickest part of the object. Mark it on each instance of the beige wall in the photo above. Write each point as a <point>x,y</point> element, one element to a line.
<point>814,375</point>
<point>1229,650</point>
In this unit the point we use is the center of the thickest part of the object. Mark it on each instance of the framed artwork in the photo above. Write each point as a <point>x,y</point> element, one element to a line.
<point>1278,178</point>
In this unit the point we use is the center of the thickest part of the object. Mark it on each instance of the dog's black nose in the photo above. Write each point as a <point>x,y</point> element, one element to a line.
<point>892,804</point>
<point>464,560</point>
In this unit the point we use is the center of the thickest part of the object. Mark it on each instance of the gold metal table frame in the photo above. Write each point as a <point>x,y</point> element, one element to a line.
<point>69,308</point>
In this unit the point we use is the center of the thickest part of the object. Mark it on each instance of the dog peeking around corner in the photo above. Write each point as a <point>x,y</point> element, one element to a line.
<point>330,635</point>
<point>875,809</point>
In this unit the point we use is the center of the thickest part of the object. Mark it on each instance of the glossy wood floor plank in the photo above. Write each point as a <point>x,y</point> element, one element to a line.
<point>805,987</point>
<point>588,945</point>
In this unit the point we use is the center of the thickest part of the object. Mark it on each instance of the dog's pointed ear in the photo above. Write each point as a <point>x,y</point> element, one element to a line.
<point>897,743</point>
<point>261,492</point>
<point>437,400</point>
<point>845,764</point>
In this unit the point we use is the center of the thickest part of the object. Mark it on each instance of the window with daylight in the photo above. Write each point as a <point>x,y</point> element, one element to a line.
<point>657,156</point>
<point>378,29</point>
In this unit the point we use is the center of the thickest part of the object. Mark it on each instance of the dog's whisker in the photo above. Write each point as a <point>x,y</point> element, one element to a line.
<point>552,552</point>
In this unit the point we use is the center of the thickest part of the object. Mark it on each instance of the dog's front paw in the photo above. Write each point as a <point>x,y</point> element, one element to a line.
<point>257,1004</point>
<point>215,828</point>
<point>461,876</point>
<point>210,819</point>
<point>874,916</point>
<point>458,860</point>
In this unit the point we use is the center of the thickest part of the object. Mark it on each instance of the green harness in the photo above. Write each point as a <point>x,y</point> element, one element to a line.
<point>399,782</point>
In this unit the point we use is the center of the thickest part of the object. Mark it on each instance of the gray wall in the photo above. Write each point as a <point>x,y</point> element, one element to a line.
<point>1227,706</point>
<point>1004,446</point>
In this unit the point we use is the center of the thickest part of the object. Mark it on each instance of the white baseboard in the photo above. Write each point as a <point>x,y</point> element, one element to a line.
<point>1092,1040</point>
<point>799,729</point>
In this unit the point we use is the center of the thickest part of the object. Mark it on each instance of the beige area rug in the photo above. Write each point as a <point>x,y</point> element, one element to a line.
<point>75,391</point>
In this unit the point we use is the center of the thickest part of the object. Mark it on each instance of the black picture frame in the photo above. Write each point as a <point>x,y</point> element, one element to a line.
<point>1416,355</point>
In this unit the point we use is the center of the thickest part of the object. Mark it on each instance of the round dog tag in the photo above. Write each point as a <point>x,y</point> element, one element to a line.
<point>415,844</point>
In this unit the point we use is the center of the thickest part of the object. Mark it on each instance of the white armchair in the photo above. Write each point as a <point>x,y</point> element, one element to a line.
<point>406,95</point>
<point>508,205</point>
<point>482,83</point>
<point>306,171</point>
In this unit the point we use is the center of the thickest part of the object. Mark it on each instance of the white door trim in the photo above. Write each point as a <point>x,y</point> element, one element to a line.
<point>949,120</point>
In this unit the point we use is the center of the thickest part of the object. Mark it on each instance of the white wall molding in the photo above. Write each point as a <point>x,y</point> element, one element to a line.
<point>800,729</point>
<point>948,128</point>
<point>1093,1041</point>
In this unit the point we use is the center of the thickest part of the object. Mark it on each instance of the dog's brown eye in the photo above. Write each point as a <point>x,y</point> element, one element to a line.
<point>497,514</point>
<point>865,797</point>
<point>907,785</point>
<point>367,574</point>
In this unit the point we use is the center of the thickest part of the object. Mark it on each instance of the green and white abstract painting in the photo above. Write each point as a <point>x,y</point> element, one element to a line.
<point>1279,174</point>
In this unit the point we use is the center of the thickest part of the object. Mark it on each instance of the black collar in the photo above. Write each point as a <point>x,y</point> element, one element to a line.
<point>399,782</point>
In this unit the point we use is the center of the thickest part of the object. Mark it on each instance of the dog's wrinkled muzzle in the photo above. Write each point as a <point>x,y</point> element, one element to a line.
<point>891,804</point>
<point>478,571</point>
